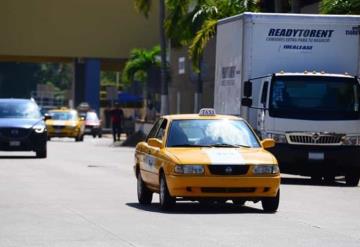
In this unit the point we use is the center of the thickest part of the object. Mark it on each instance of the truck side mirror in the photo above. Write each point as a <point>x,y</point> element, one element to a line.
<point>246,102</point>
<point>247,89</point>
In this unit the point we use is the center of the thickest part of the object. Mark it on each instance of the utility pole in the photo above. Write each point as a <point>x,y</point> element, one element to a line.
<point>295,6</point>
<point>199,89</point>
<point>164,108</point>
<point>278,6</point>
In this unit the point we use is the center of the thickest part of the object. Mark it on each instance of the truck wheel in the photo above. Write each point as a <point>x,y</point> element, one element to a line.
<point>166,201</point>
<point>143,193</point>
<point>271,204</point>
<point>352,179</point>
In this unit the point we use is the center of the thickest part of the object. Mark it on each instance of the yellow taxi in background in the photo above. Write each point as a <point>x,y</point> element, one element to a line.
<point>65,122</point>
<point>207,158</point>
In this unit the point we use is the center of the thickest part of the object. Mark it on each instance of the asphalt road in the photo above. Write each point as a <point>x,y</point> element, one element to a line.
<point>84,194</point>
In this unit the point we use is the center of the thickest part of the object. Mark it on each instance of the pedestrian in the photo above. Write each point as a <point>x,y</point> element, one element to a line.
<point>117,116</point>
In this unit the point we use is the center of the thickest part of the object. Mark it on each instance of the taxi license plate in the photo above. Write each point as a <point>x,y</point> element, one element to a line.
<point>316,156</point>
<point>14,143</point>
<point>57,131</point>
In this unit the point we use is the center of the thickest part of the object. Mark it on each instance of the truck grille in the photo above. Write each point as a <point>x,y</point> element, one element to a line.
<point>314,139</point>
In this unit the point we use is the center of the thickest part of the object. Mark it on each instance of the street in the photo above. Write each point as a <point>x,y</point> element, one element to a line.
<point>84,194</point>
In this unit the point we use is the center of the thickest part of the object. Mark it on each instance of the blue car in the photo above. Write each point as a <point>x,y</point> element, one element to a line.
<point>22,127</point>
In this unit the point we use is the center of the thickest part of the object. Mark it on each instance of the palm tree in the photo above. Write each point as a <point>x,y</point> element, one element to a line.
<point>138,67</point>
<point>144,6</point>
<point>192,23</point>
<point>181,28</point>
<point>351,7</point>
<point>211,11</point>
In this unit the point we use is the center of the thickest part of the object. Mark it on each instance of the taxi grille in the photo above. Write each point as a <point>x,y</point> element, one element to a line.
<point>228,170</point>
<point>58,127</point>
<point>228,190</point>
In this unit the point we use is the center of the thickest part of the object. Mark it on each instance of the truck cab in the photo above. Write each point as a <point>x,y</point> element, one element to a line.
<point>315,120</point>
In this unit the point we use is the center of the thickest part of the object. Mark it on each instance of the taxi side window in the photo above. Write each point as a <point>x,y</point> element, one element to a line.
<point>154,129</point>
<point>160,134</point>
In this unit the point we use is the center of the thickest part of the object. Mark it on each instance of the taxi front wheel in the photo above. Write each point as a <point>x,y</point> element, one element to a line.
<point>79,138</point>
<point>143,193</point>
<point>271,204</point>
<point>166,201</point>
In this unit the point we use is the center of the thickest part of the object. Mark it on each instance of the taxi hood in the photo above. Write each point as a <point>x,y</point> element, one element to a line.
<point>218,156</point>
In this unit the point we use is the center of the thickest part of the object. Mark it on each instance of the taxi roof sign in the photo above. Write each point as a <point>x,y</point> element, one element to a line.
<point>207,112</point>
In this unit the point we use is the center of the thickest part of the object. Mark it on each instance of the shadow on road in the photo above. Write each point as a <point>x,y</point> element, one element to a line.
<point>311,182</point>
<point>197,208</point>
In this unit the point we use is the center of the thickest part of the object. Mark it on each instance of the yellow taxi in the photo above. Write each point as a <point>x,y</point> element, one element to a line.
<point>207,158</point>
<point>65,122</point>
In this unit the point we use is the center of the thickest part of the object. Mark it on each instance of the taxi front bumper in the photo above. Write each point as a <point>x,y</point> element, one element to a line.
<point>225,187</point>
<point>63,133</point>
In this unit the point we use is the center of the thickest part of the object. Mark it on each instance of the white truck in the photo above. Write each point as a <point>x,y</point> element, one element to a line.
<point>294,77</point>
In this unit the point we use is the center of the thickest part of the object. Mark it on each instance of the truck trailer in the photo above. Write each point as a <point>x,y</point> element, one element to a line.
<point>294,78</point>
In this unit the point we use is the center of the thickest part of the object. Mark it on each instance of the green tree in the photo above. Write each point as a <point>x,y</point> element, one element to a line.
<point>144,6</point>
<point>351,7</point>
<point>57,74</point>
<point>138,67</point>
<point>139,64</point>
<point>210,11</point>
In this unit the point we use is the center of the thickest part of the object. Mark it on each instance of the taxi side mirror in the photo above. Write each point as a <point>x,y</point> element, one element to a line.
<point>268,143</point>
<point>154,142</point>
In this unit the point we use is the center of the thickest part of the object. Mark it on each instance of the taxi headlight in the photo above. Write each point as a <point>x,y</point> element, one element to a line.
<point>39,129</point>
<point>265,169</point>
<point>278,138</point>
<point>351,140</point>
<point>189,169</point>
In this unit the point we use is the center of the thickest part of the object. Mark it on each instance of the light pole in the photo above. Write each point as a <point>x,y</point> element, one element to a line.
<point>164,107</point>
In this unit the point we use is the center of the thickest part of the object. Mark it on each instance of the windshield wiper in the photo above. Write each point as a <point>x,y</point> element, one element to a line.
<point>188,145</point>
<point>228,145</point>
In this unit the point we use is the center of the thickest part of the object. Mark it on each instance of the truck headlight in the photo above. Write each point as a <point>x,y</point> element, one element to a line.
<point>189,169</point>
<point>265,169</point>
<point>351,140</point>
<point>278,138</point>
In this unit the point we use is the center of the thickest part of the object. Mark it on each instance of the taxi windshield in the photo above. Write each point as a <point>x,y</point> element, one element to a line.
<point>211,133</point>
<point>66,116</point>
